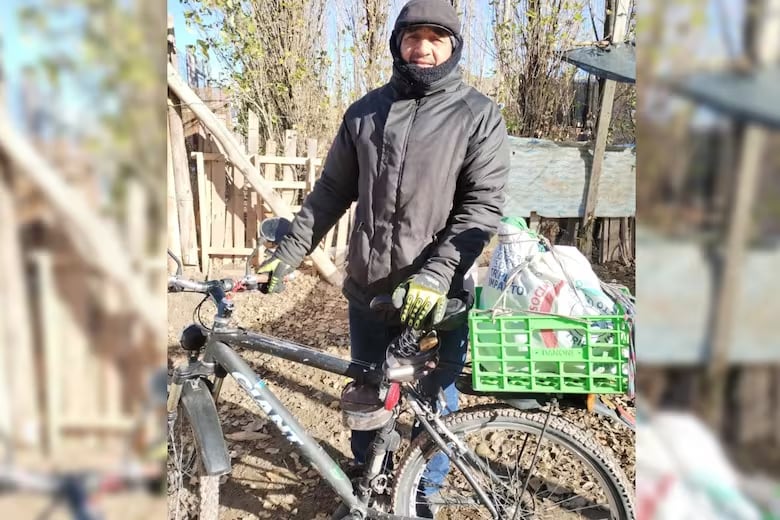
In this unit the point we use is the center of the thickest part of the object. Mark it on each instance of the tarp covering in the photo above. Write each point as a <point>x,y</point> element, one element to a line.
<point>751,97</point>
<point>550,178</point>
<point>616,62</point>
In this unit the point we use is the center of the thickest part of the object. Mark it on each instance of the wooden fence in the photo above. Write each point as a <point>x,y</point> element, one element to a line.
<point>228,210</point>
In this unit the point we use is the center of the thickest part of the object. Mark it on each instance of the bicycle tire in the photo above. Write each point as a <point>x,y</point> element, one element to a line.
<point>568,437</point>
<point>200,500</point>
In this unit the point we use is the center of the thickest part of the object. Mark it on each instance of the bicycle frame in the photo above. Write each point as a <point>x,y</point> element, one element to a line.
<point>219,352</point>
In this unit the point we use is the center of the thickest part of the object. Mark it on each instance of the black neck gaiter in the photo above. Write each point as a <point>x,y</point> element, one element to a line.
<point>420,79</point>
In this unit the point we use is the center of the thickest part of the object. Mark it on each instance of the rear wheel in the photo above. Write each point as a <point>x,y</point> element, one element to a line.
<point>573,477</point>
<point>191,492</point>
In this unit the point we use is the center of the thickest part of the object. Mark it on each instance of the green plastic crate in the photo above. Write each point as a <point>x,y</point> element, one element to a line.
<point>510,353</point>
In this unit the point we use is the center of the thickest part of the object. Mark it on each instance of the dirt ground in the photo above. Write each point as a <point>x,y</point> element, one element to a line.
<point>269,479</point>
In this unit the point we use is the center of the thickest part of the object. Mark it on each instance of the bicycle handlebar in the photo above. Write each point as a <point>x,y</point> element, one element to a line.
<point>13,479</point>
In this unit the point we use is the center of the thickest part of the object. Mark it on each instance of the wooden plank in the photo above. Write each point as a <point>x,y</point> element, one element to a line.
<point>239,225</point>
<point>210,194</point>
<point>181,177</point>
<point>764,47</point>
<point>204,209</point>
<point>614,240</point>
<point>534,221</point>
<point>270,169</point>
<point>269,159</point>
<point>229,192</point>
<point>251,215</point>
<point>230,251</point>
<point>602,236</point>
<point>253,132</point>
<point>288,172</point>
<point>289,185</point>
<point>218,204</point>
<point>173,237</point>
<point>311,166</point>
<point>627,253</point>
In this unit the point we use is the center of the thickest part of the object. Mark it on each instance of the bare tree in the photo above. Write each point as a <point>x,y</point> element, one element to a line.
<point>275,58</point>
<point>535,85</point>
<point>367,27</point>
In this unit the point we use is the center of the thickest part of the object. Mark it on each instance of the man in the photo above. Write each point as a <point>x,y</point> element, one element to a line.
<point>426,158</point>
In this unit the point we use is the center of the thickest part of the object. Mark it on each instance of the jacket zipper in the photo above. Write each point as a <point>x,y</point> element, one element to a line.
<point>400,178</point>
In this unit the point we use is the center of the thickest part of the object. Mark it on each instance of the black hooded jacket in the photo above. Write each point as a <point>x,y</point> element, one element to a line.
<point>427,166</point>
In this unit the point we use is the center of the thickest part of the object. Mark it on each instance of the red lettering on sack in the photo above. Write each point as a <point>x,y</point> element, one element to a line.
<point>548,336</point>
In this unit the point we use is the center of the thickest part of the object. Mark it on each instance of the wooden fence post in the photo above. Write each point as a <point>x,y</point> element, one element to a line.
<point>181,177</point>
<point>288,173</point>
<point>172,215</point>
<point>602,132</point>
<point>204,206</point>
<point>311,154</point>
<point>270,170</point>
<point>253,133</point>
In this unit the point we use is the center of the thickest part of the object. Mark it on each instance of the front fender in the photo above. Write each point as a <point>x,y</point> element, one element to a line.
<point>198,404</point>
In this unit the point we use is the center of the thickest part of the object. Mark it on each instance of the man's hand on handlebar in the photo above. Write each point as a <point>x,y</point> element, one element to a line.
<point>277,269</point>
<point>418,297</point>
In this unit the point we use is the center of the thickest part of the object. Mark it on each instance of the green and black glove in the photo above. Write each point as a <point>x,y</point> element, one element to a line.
<point>418,297</point>
<point>277,270</point>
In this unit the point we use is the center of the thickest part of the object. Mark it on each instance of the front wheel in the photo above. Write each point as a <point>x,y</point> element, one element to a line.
<point>573,477</point>
<point>191,492</point>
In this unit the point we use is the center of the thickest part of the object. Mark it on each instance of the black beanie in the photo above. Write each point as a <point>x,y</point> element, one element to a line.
<point>437,13</point>
<point>434,13</point>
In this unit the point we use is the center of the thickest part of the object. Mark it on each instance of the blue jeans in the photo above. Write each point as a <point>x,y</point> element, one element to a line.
<point>369,338</point>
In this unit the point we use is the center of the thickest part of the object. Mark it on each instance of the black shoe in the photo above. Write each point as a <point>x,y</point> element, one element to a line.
<point>354,470</point>
<point>428,507</point>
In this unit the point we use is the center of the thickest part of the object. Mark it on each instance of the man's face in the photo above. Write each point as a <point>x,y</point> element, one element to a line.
<point>426,46</point>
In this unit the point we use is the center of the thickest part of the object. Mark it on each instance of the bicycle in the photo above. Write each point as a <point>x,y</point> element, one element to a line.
<point>498,468</point>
